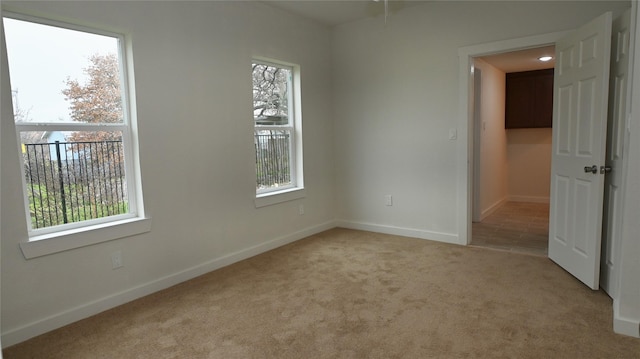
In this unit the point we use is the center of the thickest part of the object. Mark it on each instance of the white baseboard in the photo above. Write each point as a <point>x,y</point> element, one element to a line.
<point>625,326</point>
<point>532,199</point>
<point>400,231</point>
<point>17,335</point>
<point>487,212</point>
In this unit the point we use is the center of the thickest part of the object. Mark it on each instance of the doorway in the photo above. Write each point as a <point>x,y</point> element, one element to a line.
<point>511,166</point>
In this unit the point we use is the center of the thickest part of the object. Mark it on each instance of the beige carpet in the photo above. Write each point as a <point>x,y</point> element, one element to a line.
<point>352,294</point>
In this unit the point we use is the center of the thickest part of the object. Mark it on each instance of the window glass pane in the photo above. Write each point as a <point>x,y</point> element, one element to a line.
<point>73,176</point>
<point>60,75</point>
<point>273,158</point>
<point>270,94</point>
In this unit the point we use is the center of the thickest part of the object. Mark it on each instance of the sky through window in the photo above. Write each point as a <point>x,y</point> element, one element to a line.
<point>41,58</point>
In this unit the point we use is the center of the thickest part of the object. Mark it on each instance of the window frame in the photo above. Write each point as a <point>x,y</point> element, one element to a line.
<point>296,189</point>
<point>52,239</point>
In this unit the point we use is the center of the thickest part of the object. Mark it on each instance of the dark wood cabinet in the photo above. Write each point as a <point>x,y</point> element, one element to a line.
<point>529,99</point>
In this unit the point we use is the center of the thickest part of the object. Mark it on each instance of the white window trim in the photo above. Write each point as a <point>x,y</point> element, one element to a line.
<point>296,190</point>
<point>269,198</point>
<point>56,239</point>
<point>46,244</point>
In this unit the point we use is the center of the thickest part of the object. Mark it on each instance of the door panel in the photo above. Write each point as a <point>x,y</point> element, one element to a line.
<point>561,205</point>
<point>561,129</point>
<point>582,202</point>
<point>579,137</point>
<point>616,125</point>
<point>585,118</point>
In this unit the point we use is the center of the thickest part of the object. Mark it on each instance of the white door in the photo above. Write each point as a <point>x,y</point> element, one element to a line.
<point>581,84</point>
<point>616,124</point>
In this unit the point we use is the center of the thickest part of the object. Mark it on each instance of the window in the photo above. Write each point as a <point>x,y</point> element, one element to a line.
<point>277,140</point>
<point>73,122</point>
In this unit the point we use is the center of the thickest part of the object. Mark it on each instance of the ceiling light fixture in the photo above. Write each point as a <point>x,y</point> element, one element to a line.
<point>545,58</point>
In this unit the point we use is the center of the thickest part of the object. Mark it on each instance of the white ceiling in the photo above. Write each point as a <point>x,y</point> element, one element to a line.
<point>337,12</point>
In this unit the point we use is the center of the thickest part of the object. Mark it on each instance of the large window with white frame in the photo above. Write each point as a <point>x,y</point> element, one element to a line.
<point>276,115</point>
<point>73,122</point>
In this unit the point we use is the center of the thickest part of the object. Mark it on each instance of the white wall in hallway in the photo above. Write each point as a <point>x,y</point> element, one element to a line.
<point>493,140</point>
<point>529,158</point>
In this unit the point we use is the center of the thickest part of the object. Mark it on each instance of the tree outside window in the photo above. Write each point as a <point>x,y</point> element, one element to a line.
<point>75,134</point>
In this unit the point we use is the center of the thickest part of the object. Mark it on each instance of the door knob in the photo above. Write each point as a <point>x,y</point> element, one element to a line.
<point>593,169</point>
<point>605,169</point>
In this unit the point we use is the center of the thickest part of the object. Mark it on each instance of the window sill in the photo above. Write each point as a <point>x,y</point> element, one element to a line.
<point>43,245</point>
<point>267,199</point>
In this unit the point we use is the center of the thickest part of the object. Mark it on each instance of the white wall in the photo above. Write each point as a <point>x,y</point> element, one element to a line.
<point>396,98</point>
<point>193,86</point>
<point>529,157</point>
<point>493,167</point>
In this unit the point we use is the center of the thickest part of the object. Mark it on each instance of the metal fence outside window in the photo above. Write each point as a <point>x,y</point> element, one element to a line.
<point>70,182</point>
<point>273,151</point>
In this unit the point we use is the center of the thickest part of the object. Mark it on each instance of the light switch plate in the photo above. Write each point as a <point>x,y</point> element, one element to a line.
<point>453,134</point>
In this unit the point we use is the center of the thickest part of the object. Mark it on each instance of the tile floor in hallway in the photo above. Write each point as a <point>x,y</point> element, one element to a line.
<point>516,226</point>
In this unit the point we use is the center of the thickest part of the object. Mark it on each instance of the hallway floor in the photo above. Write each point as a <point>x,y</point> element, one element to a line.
<point>521,227</point>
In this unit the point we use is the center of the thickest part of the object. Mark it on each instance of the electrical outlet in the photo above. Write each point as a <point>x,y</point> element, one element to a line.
<point>301,209</point>
<point>116,260</point>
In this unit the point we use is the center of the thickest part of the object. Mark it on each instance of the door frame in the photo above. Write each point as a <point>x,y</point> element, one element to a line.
<point>465,123</point>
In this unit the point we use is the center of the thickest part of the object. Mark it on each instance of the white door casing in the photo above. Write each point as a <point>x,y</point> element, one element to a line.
<point>466,117</point>
<point>616,125</point>
<point>579,136</point>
